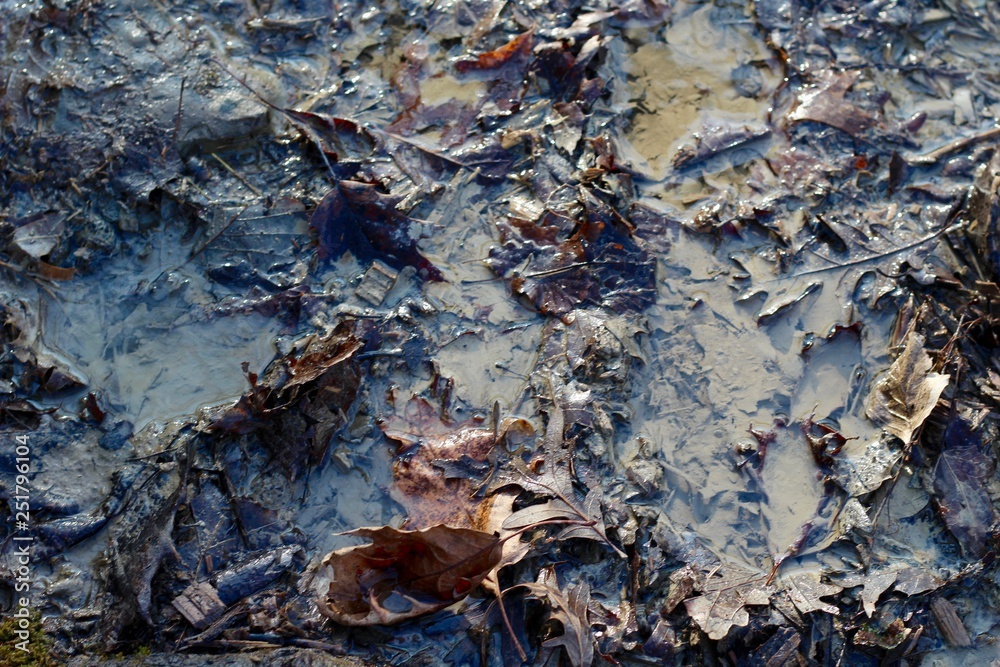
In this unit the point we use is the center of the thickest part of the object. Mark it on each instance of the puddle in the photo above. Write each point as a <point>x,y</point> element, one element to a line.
<point>142,334</point>
<point>713,373</point>
<point>708,66</point>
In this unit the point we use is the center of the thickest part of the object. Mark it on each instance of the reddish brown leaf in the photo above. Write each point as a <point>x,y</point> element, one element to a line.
<point>959,482</point>
<point>514,50</point>
<point>357,217</point>
<point>507,66</point>
<point>423,485</point>
<point>404,574</point>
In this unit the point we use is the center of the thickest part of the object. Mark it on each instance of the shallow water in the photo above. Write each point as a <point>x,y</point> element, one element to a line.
<point>741,333</point>
<point>142,333</point>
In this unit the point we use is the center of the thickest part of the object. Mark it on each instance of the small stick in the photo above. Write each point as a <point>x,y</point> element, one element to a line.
<point>872,258</point>
<point>955,146</point>
<point>180,108</point>
<point>237,175</point>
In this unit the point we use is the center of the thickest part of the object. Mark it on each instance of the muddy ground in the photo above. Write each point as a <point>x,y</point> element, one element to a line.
<point>643,332</point>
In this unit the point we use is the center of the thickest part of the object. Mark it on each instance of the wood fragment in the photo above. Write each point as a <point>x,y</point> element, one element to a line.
<point>955,146</point>
<point>199,604</point>
<point>948,622</point>
<point>376,283</point>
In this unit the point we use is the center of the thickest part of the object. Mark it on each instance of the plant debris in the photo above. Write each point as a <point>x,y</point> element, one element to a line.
<point>904,398</point>
<point>507,283</point>
<point>404,574</point>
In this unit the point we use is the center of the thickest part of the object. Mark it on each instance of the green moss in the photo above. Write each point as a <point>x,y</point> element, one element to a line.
<point>38,644</point>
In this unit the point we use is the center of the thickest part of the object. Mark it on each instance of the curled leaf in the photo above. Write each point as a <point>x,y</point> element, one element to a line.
<point>904,398</point>
<point>403,574</point>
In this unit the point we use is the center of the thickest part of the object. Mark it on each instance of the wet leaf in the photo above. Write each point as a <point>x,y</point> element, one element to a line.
<point>713,139</point>
<point>902,400</point>
<point>338,138</point>
<point>724,598</point>
<point>357,217</point>
<point>506,66</point>
<point>875,584</point>
<point>861,468</point>
<point>825,104</point>
<point>569,606</point>
<point>431,452</point>
<point>959,483</point>
<point>424,489</point>
<point>403,574</point>
<point>38,236</point>
<point>915,580</point>
<point>560,264</point>
<point>806,591</point>
<point>302,400</point>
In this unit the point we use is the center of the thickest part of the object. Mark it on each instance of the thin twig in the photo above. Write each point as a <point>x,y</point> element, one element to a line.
<point>955,146</point>
<point>180,108</point>
<point>872,258</point>
<point>237,175</point>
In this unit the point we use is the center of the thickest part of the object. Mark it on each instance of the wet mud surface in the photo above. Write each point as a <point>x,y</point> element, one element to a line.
<point>657,333</point>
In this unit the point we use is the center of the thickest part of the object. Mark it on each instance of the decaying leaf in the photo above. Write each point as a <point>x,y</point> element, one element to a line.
<point>959,482</point>
<point>915,580</point>
<point>338,138</point>
<point>38,236</point>
<point>302,400</point>
<point>435,478</point>
<point>903,399</point>
<point>569,606</point>
<point>506,66</point>
<point>713,139</point>
<point>807,589</point>
<point>874,584</point>
<point>826,104</point>
<point>403,574</point>
<point>861,468</point>
<point>559,263</point>
<point>724,597</point>
<point>355,216</point>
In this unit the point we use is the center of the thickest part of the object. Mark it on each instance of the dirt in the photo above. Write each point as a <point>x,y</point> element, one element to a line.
<point>263,265</point>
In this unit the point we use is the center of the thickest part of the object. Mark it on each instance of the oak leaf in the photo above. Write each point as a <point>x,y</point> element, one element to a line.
<point>403,574</point>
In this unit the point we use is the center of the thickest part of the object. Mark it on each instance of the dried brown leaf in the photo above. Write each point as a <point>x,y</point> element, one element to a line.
<point>403,574</point>
<point>569,606</point>
<point>902,400</point>
<point>724,598</point>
